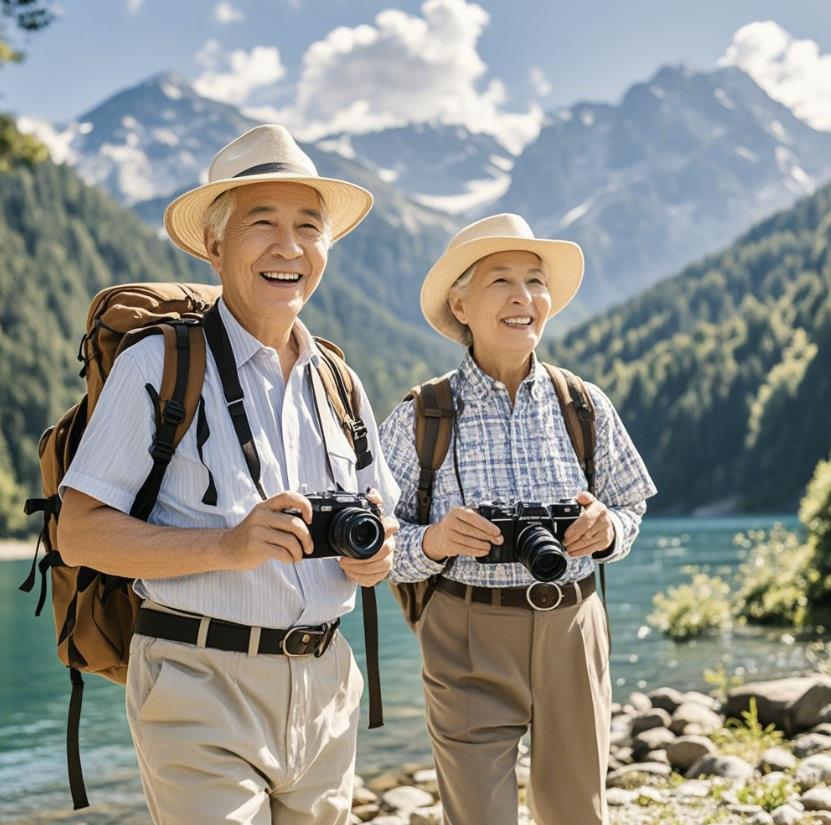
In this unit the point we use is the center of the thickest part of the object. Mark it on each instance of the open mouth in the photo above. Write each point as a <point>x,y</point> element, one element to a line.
<point>518,321</point>
<point>281,277</point>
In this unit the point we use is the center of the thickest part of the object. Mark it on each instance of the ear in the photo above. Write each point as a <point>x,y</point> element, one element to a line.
<point>213,246</point>
<point>456,303</point>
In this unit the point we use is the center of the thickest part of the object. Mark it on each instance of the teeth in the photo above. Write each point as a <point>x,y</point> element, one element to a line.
<point>517,322</point>
<point>280,276</point>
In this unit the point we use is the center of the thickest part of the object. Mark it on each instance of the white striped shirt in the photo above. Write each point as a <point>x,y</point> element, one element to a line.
<point>112,462</point>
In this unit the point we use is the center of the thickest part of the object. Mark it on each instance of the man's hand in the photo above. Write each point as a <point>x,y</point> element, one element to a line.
<point>368,572</point>
<point>593,531</point>
<point>462,532</point>
<point>269,533</point>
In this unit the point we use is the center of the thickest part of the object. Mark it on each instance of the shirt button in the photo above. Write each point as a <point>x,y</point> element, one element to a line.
<point>498,385</point>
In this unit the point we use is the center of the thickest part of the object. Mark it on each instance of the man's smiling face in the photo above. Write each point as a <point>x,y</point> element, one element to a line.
<point>273,252</point>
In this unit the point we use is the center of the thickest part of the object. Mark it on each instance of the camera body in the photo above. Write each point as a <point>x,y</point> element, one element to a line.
<point>345,524</point>
<point>532,534</point>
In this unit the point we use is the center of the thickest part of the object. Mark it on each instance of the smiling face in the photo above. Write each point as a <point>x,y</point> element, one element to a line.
<point>506,304</point>
<point>272,254</point>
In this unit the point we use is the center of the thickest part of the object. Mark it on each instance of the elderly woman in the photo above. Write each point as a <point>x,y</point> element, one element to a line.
<point>503,653</point>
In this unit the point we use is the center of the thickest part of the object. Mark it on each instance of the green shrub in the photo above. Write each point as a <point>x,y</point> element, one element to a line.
<point>747,737</point>
<point>689,610</point>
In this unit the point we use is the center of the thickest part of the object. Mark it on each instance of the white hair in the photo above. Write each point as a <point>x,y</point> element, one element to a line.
<point>460,285</point>
<point>219,213</point>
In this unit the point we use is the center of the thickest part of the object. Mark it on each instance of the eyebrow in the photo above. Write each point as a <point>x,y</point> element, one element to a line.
<point>508,269</point>
<point>260,210</point>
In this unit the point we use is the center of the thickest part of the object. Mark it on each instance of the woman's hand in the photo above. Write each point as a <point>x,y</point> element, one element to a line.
<point>462,532</point>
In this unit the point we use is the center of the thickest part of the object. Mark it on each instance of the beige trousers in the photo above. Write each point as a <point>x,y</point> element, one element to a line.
<point>227,737</point>
<point>493,673</point>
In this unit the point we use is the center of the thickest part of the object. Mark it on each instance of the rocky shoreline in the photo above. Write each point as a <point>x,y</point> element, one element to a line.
<point>675,759</point>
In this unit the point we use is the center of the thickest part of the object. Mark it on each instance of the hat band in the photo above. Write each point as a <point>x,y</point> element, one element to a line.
<point>263,168</point>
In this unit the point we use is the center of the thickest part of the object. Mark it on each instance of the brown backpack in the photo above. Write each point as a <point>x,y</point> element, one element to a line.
<point>435,412</point>
<point>94,612</point>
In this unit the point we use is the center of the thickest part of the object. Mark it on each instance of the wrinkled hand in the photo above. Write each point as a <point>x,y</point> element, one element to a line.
<point>368,572</point>
<point>462,532</point>
<point>593,531</point>
<point>269,533</point>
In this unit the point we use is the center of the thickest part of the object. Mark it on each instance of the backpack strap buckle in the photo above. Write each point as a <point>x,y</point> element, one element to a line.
<point>173,413</point>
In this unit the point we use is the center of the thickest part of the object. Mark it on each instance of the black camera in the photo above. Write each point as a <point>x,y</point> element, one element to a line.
<point>532,534</point>
<point>344,524</point>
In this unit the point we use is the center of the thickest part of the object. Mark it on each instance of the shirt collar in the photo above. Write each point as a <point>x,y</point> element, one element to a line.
<point>246,346</point>
<point>476,384</point>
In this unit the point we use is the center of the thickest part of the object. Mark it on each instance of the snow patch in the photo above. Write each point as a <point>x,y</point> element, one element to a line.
<point>129,122</point>
<point>658,91</point>
<point>724,99</point>
<point>587,118</point>
<point>171,90</point>
<point>778,131</point>
<point>387,175</point>
<point>166,136</point>
<point>501,163</point>
<point>479,193</point>
<point>58,143</point>
<point>85,128</point>
<point>747,154</point>
<point>565,115</point>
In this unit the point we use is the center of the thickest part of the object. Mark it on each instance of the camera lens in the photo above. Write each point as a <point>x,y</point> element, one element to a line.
<point>541,554</point>
<point>356,533</point>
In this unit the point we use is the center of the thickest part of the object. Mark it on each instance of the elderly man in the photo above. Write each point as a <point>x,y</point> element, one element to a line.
<point>503,653</point>
<point>224,731</point>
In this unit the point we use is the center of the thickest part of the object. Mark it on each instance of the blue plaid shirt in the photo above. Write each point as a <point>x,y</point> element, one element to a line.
<point>519,452</point>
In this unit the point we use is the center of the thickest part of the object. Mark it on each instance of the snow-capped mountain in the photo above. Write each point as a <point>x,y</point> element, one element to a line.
<point>446,167</point>
<point>679,168</point>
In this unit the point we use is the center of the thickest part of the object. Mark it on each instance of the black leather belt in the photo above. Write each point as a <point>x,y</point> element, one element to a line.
<point>542,596</point>
<point>222,635</point>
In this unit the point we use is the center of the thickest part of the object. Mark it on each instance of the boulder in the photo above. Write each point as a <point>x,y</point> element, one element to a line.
<point>693,788</point>
<point>653,718</point>
<point>623,776</point>
<point>618,797</point>
<point>657,756</point>
<point>685,751</point>
<point>733,768</point>
<point>666,698</point>
<point>810,743</point>
<point>793,704</point>
<point>363,796</point>
<point>814,770</point>
<point>639,701</point>
<point>693,713</point>
<point>406,798</point>
<point>817,799</point>
<point>651,740</point>
<point>776,759</point>
<point>366,813</point>
<point>786,815</point>
<point>426,816</point>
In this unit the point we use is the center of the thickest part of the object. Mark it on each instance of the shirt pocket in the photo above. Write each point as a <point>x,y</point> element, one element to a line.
<point>343,463</point>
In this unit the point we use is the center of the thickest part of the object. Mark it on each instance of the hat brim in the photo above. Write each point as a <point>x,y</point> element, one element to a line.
<point>563,262</point>
<point>346,205</point>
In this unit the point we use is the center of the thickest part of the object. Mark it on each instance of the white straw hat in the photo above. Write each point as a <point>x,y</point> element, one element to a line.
<point>264,153</point>
<point>563,262</point>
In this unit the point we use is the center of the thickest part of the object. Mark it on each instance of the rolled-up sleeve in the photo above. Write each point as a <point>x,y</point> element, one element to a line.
<point>622,481</point>
<point>112,459</point>
<point>398,441</point>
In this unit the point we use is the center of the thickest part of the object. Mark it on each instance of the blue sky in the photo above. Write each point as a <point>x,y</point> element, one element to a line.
<point>338,63</point>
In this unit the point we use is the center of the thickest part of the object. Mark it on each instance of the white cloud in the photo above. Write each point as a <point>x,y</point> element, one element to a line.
<point>134,5</point>
<point>226,13</point>
<point>539,81</point>
<point>232,77</point>
<point>406,69</point>
<point>58,143</point>
<point>794,72</point>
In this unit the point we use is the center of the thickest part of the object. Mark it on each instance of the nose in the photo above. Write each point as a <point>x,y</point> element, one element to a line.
<point>284,244</point>
<point>521,295</point>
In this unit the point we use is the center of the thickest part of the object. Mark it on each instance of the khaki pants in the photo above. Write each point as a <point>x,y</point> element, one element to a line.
<point>493,673</point>
<point>227,737</point>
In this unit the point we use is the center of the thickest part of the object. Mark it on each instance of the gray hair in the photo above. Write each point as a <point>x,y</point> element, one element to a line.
<point>460,285</point>
<point>219,212</point>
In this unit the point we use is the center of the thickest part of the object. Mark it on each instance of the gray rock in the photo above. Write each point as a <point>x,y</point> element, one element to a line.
<point>666,698</point>
<point>427,775</point>
<point>814,770</point>
<point>363,796</point>
<point>353,820</point>
<point>648,794</point>
<point>709,702</point>
<point>657,756</point>
<point>617,797</point>
<point>617,709</point>
<point>817,799</point>
<point>389,819</point>
<point>651,740</point>
<point>822,727</point>
<point>761,818</point>
<point>426,816</point>
<point>825,713</point>
<point>819,818</point>
<point>523,775</point>
<point>639,701</point>
<point>625,755</point>
<point>685,751</point>
<point>692,713</point>
<point>727,767</point>
<point>653,718</point>
<point>694,788</point>
<point>744,810</point>
<point>793,704</point>
<point>776,759</point>
<point>366,813</point>
<point>623,775</point>
<point>406,798</point>
<point>786,815</point>
<point>811,743</point>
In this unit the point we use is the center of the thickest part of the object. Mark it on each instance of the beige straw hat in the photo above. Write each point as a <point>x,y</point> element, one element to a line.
<point>563,262</point>
<point>264,153</point>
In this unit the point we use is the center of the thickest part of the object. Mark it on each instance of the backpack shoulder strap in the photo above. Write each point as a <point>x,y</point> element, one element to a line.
<point>435,413</point>
<point>344,397</point>
<point>579,416</point>
<point>176,402</point>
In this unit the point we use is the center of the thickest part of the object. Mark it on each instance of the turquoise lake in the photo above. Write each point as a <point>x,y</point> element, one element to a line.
<point>34,688</point>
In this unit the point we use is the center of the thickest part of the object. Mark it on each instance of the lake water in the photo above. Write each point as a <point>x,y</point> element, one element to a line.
<point>34,688</point>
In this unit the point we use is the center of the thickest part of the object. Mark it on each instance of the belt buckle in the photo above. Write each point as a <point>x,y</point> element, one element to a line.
<point>308,633</point>
<point>530,601</point>
<point>329,630</point>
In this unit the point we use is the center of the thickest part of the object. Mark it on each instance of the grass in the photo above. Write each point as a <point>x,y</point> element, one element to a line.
<point>747,737</point>
<point>686,611</point>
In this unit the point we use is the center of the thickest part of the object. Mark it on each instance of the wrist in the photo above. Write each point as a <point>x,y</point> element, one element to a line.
<point>428,545</point>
